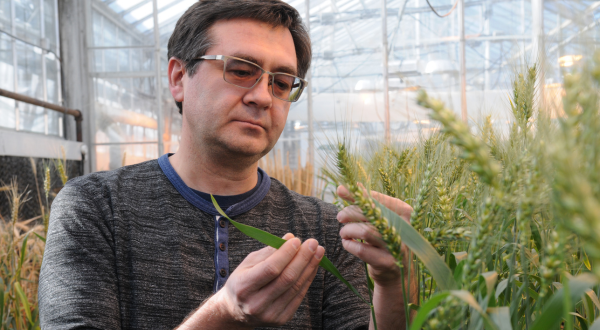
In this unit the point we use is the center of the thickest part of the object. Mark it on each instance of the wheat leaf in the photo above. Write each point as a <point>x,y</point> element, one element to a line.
<point>426,308</point>
<point>23,299</point>
<point>442,274</point>
<point>553,310</point>
<point>1,300</point>
<point>501,317</point>
<point>432,303</point>
<point>276,242</point>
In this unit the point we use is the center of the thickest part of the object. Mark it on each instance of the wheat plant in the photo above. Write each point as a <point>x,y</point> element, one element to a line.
<point>514,218</point>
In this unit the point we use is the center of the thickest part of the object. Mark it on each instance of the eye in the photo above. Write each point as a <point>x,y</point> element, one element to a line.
<point>241,73</point>
<point>281,84</point>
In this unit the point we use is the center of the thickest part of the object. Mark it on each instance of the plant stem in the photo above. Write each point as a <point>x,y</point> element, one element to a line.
<point>406,313</point>
<point>370,296</point>
<point>567,305</point>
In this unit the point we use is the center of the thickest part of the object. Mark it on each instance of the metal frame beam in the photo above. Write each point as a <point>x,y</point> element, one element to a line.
<point>354,15</point>
<point>147,17</point>
<point>117,20</point>
<point>519,54</point>
<point>346,27</point>
<point>384,60</point>
<point>125,74</point>
<point>309,104</point>
<point>159,93</point>
<point>134,7</point>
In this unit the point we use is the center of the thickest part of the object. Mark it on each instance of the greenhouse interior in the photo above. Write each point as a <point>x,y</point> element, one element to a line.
<point>482,116</point>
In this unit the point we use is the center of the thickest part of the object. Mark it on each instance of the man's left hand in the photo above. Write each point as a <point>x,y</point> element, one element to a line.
<point>382,265</point>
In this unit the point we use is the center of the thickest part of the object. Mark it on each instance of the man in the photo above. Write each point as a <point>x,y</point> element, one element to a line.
<point>142,247</point>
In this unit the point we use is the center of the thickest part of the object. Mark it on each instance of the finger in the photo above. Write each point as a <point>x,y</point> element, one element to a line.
<point>256,257</point>
<point>291,299</point>
<point>375,256</point>
<point>396,205</point>
<point>351,213</point>
<point>362,231</point>
<point>308,275</point>
<point>262,254</point>
<point>290,276</point>
<point>270,268</point>
<point>296,300</point>
<point>344,194</point>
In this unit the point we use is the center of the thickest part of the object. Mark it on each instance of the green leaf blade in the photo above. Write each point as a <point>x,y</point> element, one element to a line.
<point>24,301</point>
<point>553,311</point>
<point>442,274</point>
<point>276,242</point>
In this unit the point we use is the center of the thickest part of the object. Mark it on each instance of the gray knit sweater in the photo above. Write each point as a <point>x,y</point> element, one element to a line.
<point>125,250</point>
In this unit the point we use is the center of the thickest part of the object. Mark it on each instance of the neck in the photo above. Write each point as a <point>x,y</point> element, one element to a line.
<point>203,171</point>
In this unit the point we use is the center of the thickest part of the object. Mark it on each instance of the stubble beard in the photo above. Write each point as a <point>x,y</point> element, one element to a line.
<point>238,155</point>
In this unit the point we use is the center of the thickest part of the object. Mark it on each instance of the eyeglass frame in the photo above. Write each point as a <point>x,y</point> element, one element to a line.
<point>224,58</point>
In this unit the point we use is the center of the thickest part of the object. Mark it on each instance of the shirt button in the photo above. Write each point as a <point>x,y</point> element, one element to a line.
<point>223,272</point>
<point>222,223</point>
<point>222,246</point>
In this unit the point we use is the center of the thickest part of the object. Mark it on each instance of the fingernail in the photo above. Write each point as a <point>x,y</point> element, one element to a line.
<point>295,243</point>
<point>312,245</point>
<point>320,253</point>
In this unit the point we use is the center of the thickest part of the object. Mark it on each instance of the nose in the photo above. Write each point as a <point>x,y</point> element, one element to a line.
<point>260,95</point>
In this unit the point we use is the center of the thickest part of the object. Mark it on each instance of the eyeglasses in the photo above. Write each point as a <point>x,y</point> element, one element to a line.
<point>245,74</point>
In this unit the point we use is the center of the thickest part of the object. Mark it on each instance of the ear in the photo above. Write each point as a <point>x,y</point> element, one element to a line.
<point>176,73</point>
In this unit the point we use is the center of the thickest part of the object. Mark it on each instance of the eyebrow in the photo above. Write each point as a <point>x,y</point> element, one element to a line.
<point>282,69</point>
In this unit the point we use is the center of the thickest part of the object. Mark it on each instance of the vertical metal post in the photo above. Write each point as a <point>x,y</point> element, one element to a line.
<point>537,55</point>
<point>62,127</point>
<point>384,57</point>
<point>486,31</point>
<point>14,60</point>
<point>159,115</point>
<point>522,24</point>
<point>560,38</point>
<point>91,91</point>
<point>44,46</point>
<point>311,129</point>
<point>417,32</point>
<point>463,66</point>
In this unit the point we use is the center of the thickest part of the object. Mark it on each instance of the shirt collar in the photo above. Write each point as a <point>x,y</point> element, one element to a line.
<point>187,193</point>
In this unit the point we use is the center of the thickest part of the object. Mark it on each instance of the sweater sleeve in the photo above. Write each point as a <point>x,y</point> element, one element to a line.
<point>342,309</point>
<point>78,282</point>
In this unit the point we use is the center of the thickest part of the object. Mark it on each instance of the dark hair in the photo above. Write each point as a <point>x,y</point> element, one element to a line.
<point>191,38</point>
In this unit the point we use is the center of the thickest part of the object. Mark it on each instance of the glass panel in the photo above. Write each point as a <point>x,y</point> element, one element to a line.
<point>125,110</point>
<point>109,32</point>
<point>123,60</point>
<point>112,31</point>
<point>110,60</point>
<point>5,17</point>
<point>7,106</point>
<point>110,157</point>
<point>29,82</point>
<point>142,59</point>
<point>27,20</point>
<point>97,21</point>
<point>50,25</point>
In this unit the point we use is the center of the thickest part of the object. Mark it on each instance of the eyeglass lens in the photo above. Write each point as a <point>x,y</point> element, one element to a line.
<point>245,75</point>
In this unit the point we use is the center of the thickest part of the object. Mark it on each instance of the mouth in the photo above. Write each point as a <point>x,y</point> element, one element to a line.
<point>250,123</point>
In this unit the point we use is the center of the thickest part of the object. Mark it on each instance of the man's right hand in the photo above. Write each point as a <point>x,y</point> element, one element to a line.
<point>264,290</point>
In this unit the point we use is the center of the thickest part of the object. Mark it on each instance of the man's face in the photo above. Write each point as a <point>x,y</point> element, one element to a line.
<point>228,119</point>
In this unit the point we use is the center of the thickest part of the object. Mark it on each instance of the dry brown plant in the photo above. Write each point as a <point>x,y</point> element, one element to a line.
<point>301,179</point>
